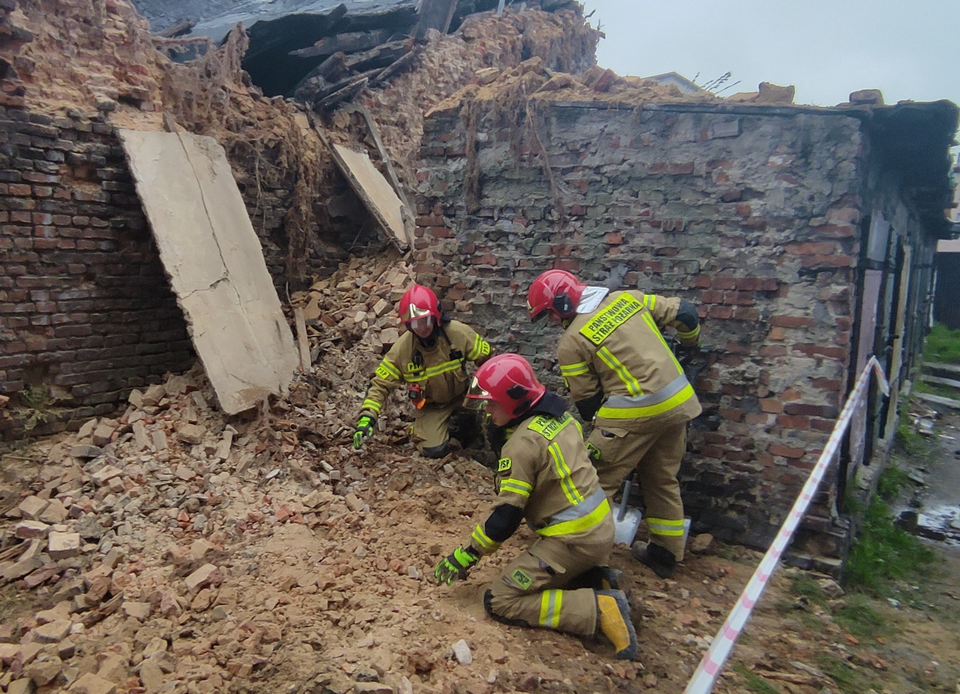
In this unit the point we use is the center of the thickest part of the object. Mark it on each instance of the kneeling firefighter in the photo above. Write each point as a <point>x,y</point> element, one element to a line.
<point>431,359</point>
<point>545,476</point>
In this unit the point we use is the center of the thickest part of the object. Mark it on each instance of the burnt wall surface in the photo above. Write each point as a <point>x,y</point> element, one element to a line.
<point>751,214</point>
<point>86,311</point>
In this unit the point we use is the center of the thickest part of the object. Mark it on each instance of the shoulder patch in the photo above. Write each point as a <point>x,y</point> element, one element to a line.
<point>504,465</point>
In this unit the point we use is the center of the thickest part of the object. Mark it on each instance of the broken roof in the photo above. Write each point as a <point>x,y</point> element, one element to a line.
<point>214,18</point>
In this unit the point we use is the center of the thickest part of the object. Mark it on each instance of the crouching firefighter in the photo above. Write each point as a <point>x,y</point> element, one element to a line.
<point>624,377</point>
<point>545,476</point>
<point>430,358</point>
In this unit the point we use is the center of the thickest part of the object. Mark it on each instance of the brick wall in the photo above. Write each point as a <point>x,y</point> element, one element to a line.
<point>752,214</point>
<point>86,311</point>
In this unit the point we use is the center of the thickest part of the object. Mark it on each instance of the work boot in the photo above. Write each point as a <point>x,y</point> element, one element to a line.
<point>614,621</point>
<point>658,558</point>
<point>597,578</point>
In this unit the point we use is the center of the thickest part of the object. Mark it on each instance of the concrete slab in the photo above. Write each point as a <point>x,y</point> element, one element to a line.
<point>215,263</point>
<point>375,192</point>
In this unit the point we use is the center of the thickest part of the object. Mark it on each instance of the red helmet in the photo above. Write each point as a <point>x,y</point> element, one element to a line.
<point>417,302</point>
<point>509,380</point>
<point>554,290</point>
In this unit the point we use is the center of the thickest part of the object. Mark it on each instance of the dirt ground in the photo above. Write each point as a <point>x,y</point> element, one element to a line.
<point>333,592</point>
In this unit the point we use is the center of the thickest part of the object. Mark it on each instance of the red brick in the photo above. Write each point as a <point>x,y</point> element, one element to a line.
<point>720,312</point>
<point>786,451</point>
<point>771,405</point>
<point>821,248</point>
<point>731,414</point>
<point>755,419</point>
<point>746,314</point>
<point>793,422</point>
<point>724,283</point>
<point>773,351</point>
<point>711,296</point>
<point>792,321</point>
<point>829,261</point>
<point>819,351</point>
<point>614,238</point>
<point>710,451</point>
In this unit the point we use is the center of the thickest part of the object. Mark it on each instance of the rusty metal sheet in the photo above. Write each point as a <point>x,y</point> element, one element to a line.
<point>375,192</point>
<point>215,263</point>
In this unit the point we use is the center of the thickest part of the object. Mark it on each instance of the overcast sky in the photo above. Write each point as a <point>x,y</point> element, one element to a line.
<point>825,48</point>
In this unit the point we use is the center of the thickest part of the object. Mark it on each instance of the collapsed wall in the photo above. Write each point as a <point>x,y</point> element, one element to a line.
<point>86,313</point>
<point>750,212</point>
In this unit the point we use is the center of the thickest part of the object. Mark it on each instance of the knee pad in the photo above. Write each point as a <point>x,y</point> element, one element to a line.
<point>488,606</point>
<point>436,451</point>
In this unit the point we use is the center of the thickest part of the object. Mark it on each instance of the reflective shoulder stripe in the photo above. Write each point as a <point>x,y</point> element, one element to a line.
<point>372,405</point>
<point>483,541</point>
<point>618,312</point>
<point>551,602</point>
<point>650,301</point>
<point>581,524</point>
<point>518,487</point>
<point>578,369</point>
<point>388,371</point>
<point>665,527</point>
<point>548,427</point>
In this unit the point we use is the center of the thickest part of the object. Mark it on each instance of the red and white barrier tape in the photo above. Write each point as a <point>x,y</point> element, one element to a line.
<point>713,660</point>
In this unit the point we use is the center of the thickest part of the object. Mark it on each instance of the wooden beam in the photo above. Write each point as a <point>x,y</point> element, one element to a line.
<point>350,42</point>
<point>408,220</point>
<point>303,342</point>
<point>435,14</point>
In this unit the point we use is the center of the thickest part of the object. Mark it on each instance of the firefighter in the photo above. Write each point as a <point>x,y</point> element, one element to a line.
<point>431,359</point>
<point>544,476</point>
<point>624,377</point>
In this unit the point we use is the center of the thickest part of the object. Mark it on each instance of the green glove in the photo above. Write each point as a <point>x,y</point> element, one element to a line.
<point>364,431</point>
<point>456,565</point>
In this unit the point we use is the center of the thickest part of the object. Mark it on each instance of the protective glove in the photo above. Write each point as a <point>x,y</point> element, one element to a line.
<point>455,566</point>
<point>364,431</point>
<point>685,353</point>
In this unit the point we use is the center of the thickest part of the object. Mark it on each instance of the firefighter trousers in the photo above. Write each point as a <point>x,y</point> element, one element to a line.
<point>656,455</point>
<point>530,591</point>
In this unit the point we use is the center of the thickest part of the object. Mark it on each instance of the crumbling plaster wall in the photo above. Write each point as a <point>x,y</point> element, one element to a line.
<point>751,214</point>
<point>85,308</point>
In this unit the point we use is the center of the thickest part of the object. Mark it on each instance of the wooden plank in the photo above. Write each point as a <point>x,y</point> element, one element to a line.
<point>341,95</point>
<point>949,369</point>
<point>408,221</point>
<point>372,187</point>
<point>303,343</point>
<point>435,14</point>
<point>399,65</point>
<point>938,400</point>
<point>350,42</point>
<point>940,381</point>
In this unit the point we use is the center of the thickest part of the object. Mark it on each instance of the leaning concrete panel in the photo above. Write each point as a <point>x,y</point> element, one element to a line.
<point>215,263</point>
<point>374,191</point>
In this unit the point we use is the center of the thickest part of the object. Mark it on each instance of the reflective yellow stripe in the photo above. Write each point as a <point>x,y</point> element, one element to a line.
<point>518,487</point>
<point>483,541</point>
<point>371,405</point>
<point>649,410</point>
<point>687,336</point>
<point>563,472</point>
<point>388,371</point>
<point>480,348</point>
<point>551,602</point>
<point>650,301</point>
<point>578,369</point>
<point>419,377</point>
<point>577,525</point>
<point>631,384</point>
<point>665,526</point>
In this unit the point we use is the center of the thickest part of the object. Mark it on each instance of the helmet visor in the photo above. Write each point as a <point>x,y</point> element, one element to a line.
<point>476,398</point>
<point>421,323</point>
<point>414,312</point>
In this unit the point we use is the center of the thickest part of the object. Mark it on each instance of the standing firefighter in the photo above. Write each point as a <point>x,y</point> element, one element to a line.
<point>545,476</point>
<point>431,359</point>
<point>620,370</point>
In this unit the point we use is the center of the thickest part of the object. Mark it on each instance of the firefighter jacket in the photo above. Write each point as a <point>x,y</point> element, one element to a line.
<point>545,476</point>
<point>617,353</point>
<point>439,371</point>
